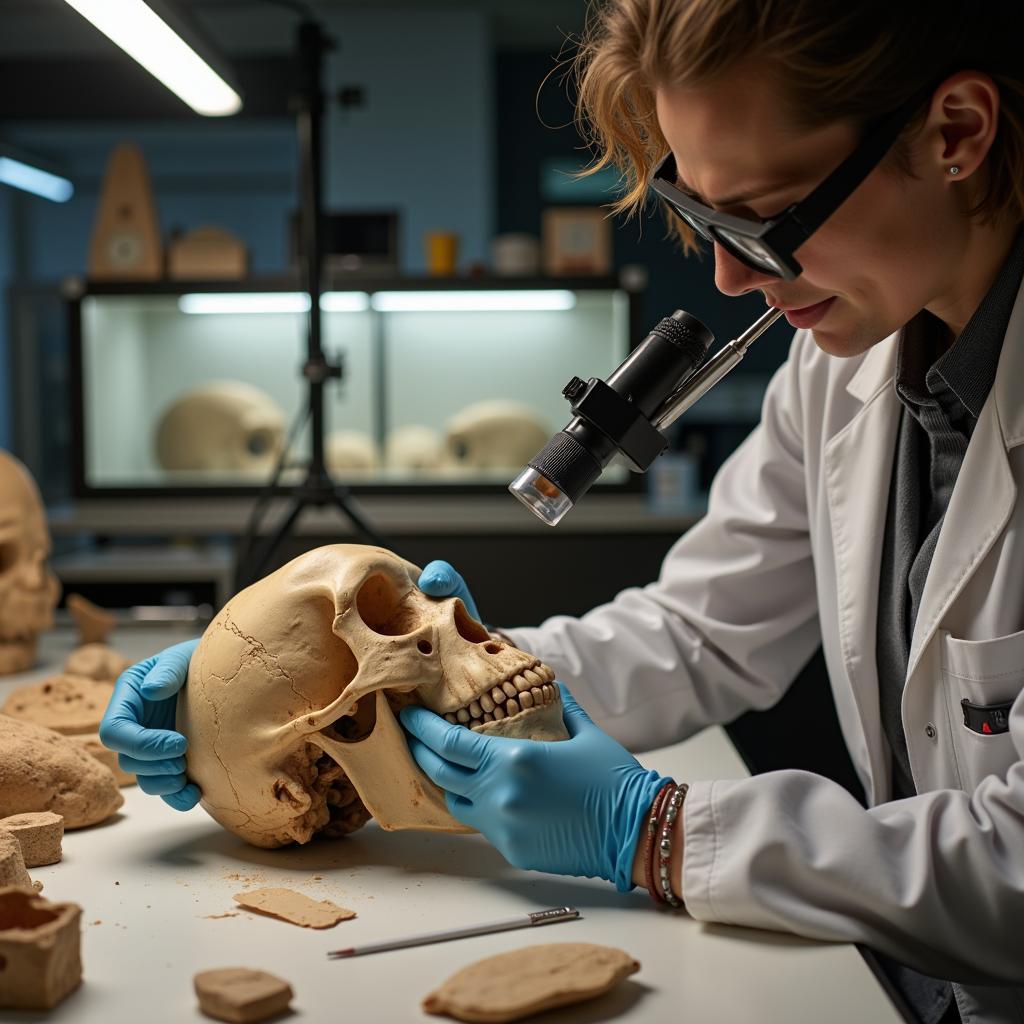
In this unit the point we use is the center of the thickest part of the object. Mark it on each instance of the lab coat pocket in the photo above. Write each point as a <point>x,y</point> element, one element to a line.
<point>985,672</point>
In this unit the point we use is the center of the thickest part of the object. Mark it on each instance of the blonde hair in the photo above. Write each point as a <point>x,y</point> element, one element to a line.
<point>834,59</point>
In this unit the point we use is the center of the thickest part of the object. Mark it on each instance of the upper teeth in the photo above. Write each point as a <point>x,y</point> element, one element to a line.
<point>533,687</point>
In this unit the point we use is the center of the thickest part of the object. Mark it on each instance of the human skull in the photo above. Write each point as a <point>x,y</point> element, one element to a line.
<point>413,447</point>
<point>347,451</point>
<point>224,425</point>
<point>28,590</point>
<point>495,434</point>
<point>293,690</point>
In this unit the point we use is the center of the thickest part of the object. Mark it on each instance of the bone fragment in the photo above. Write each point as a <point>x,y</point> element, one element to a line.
<point>520,983</point>
<point>68,704</point>
<point>39,834</point>
<point>294,907</point>
<point>241,995</point>
<point>96,661</point>
<point>91,744</point>
<point>40,770</point>
<point>12,863</point>
<point>39,949</point>
<point>93,622</point>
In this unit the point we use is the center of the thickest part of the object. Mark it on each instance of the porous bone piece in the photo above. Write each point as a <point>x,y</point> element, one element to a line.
<point>293,691</point>
<point>241,995</point>
<point>294,907</point>
<point>96,661</point>
<point>39,834</point>
<point>93,746</point>
<point>93,622</point>
<point>41,770</point>
<point>526,981</point>
<point>40,960</point>
<point>12,863</point>
<point>225,425</point>
<point>68,704</point>
<point>28,590</point>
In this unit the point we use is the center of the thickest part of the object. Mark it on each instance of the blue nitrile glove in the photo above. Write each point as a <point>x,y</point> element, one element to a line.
<point>574,807</point>
<point>139,725</point>
<point>439,579</point>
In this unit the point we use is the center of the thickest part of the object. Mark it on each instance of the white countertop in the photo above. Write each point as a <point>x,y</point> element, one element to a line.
<point>151,881</point>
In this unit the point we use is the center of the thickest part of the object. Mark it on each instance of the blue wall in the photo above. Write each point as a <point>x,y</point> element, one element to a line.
<point>421,144</point>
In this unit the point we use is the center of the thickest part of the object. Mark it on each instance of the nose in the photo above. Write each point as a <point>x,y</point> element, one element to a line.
<point>734,277</point>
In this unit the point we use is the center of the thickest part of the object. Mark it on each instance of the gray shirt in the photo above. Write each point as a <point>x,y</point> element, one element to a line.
<point>942,391</point>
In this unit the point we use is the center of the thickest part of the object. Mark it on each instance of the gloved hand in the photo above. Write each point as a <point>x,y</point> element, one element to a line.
<point>574,807</point>
<point>139,725</point>
<point>439,579</point>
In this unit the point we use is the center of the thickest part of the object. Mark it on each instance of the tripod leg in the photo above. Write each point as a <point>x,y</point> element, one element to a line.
<point>272,543</point>
<point>351,511</point>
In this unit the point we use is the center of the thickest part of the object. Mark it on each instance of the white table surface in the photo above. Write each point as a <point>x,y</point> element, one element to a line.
<point>151,882</point>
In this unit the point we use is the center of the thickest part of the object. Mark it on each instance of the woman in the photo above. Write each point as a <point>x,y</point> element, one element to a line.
<point>861,166</point>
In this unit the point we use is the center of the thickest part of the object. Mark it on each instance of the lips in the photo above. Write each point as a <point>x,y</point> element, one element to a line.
<point>806,316</point>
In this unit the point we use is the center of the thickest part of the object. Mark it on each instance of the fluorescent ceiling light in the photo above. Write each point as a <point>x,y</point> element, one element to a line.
<point>270,302</point>
<point>147,38</point>
<point>473,301</point>
<point>23,175</point>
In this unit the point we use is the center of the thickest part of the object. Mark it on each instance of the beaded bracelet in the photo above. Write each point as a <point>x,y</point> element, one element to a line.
<point>666,822</point>
<point>652,828</point>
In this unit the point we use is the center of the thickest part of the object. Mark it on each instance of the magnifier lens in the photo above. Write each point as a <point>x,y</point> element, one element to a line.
<point>540,496</point>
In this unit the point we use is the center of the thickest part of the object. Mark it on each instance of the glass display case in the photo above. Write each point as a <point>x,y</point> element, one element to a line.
<point>184,388</point>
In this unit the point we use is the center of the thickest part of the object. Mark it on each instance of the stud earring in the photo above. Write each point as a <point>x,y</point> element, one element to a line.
<point>954,169</point>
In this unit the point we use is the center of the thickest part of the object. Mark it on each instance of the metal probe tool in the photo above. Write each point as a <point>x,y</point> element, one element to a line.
<point>707,376</point>
<point>538,917</point>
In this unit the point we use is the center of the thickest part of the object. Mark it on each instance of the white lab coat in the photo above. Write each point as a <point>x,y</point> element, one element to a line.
<point>788,556</point>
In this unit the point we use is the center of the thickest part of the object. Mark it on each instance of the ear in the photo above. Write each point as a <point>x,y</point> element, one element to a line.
<point>964,118</point>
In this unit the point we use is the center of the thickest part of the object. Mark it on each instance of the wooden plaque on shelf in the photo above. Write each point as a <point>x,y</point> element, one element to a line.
<point>577,240</point>
<point>125,241</point>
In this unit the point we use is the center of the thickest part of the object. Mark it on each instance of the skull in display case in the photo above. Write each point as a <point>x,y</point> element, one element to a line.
<point>494,434</point>
<point>28,590</point>
<point>293,692</point>
<point>222,426</point>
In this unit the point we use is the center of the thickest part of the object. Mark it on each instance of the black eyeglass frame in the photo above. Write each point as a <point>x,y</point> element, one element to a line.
<point>783,234</point>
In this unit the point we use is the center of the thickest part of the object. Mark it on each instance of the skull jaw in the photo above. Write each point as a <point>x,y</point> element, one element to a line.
<point>388,780</point>
<point>17,655</point>
<point>544,724</point>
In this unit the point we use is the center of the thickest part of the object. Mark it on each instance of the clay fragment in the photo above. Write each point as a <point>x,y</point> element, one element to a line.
<point>39,833</point>
<point>241,995</point>
<point>40,946</point>
<point>523,982</point>
<point>93,746</point>
<point>68,704</point>
<point>40,770</point>
<point>294,907</point>
<point>12,863</point>
<point>93,622</point>
<point>96,661</point>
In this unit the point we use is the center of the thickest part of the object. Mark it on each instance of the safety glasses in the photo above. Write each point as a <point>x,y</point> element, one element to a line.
<point>768,246</point>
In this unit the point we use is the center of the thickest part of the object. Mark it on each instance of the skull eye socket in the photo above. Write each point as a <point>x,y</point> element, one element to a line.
<point>469,629</point>
<point>8,556</point>
<point>384,608</point>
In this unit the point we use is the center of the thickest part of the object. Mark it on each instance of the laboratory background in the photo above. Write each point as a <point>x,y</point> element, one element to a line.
<point>342,299</point>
